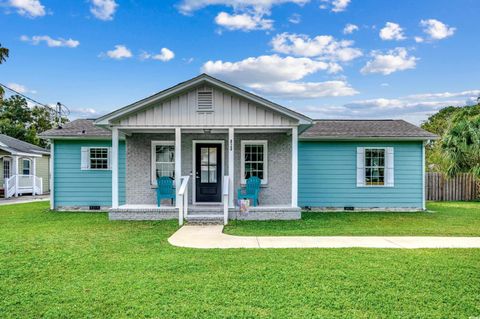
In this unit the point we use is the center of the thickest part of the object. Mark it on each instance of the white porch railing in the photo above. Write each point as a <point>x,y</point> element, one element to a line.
<point>225,194</point>
<point>183,199</point>
<point>21,184</point>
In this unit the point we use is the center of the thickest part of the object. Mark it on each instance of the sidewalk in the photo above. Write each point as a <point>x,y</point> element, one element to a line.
<point>23,199</point>
<point>211,236</point>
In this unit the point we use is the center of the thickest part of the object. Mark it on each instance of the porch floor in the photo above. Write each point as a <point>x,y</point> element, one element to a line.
<point>153,212</point>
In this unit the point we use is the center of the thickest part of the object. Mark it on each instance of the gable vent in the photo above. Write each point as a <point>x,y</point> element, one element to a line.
<point>205,100</point>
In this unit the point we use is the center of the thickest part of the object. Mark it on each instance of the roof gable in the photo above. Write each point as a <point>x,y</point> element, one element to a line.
<point>202,80</point>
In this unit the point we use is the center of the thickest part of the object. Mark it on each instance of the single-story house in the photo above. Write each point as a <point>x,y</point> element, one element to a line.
<point>25,168</point>
<point>210,137</point>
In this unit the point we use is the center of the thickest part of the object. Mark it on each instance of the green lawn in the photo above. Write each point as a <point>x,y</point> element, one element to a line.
<point>442,219</point>
<point>80,265</point>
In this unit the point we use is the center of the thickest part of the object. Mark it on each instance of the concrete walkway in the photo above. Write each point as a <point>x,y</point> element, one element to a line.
<point>23,199</point>
<point>212,236</point>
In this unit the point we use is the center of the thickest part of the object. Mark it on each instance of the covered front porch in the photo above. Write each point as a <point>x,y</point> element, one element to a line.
<point>20,175</point>
<point>208,166</point>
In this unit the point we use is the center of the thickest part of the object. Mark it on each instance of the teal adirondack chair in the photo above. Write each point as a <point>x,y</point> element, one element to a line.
<point>252,190</point>
<point>165,189</point>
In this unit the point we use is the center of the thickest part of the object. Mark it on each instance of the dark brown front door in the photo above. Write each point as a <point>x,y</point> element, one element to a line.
<point>208,173</point>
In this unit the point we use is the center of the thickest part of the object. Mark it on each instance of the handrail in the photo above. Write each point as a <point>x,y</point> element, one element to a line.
<point>21,183</point>
<point>225,193</point>
<point>183,199</point>
<point>10,186</point>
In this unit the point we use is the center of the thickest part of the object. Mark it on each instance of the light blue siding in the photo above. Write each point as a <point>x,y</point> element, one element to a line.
<point>327,176</point>
<point>76,187</point>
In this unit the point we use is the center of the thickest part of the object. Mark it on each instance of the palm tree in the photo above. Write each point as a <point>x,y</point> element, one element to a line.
<point>3,54</point>
<point>461,146</point>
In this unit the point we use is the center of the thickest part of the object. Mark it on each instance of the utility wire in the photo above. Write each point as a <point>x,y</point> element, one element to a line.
<point>59,110</point>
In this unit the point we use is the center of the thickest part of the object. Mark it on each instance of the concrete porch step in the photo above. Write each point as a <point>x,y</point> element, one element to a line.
<point>204,219</point>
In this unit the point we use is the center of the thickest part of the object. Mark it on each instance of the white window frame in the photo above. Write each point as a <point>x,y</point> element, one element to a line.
<point>365,149</point>
<point>388,166</point>
<point>86,160</point>
<point>264,143</point>
<point>153,166</point>
<point>29,166</point>
<point>10,167</point>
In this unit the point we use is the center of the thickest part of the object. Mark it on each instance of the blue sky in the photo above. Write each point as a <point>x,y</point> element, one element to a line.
<point>325,58</point>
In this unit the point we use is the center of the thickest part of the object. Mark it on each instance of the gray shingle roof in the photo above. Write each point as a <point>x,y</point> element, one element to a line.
<point>78,128</point>
<point>337,129</point>
<point>21,146</point>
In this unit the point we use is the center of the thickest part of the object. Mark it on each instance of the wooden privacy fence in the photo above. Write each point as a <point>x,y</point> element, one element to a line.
<point>462,187</point>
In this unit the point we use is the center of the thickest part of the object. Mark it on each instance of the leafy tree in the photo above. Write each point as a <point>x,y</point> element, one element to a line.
<point>20,121</point>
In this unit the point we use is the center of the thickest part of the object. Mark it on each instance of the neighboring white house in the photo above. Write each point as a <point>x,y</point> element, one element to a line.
<point>24,167</point>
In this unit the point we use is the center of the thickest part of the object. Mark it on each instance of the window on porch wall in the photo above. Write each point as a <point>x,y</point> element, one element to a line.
<point>163,159</point>
<point>254,160</point>
<point>26,166</point>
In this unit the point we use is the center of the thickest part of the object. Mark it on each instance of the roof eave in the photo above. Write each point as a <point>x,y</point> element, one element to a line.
<point>367,138</point>
<point>77,137</point>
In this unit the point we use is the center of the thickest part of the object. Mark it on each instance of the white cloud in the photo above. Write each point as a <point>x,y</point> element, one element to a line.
<point>436,30</point>
<point>419,39</point>
<point>165,55</point>
<point>305,90</point>
<point>20,88</point>
<point>443,95</point>
<point>335,5</point>
<point>393,61</point>
<point>295,18</point>
<point>83,113</point>
<point>248,14</point>
<point>28,8</point>
<point>277,76</point>
<point>324,47</point>
<point>263,6</point>
<point>392,31</point>
<point>120,52</point>
<point>243,21</point>
<point>54,43</point>
<point>103,9</point>
<point>265,69</point>
<point>414,108</point>
<point>350,28</point>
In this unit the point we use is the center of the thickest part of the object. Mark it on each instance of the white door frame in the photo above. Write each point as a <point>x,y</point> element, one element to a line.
<point>10,167</point>
<point>194,173</point>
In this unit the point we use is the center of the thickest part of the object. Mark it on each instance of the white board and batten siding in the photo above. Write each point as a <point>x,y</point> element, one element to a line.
<point>228,110</point>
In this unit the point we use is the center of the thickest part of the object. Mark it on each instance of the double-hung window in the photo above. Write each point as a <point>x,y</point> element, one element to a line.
<point>163,160</point>
<point>26,166</point>
<point>96,158</point>
<point>375,166</point>
<point>254,160</point>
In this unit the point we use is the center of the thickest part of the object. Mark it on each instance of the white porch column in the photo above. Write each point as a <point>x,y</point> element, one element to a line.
<point>34,169</point>
<point>178,163</point>
<point>424,205</point>
<point>52,175</point>
<point>114,160</point>
<point>231,168</point>
<point>15,171</point>
<point>295,166</point>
